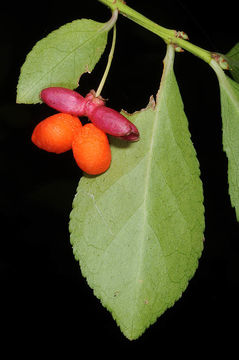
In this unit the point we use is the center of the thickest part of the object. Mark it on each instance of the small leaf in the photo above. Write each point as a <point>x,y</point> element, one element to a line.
<point>61,58</point>
<point>229,90</point>
<point>137,230</point>
<point>232,58</point>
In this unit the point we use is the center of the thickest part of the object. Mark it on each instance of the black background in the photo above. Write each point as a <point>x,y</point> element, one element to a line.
<point>45,302</point>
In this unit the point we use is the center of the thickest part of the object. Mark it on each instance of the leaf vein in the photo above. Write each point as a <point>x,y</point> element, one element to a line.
<point>62,60</point>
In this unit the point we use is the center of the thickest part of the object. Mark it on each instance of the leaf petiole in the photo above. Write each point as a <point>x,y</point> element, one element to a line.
<point>109,24</point>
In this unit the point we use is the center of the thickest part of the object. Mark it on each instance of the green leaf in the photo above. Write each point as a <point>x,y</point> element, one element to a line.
<point>232,58</point>
<point>61,58</point>
<point>229,91</point>
<point>137,230</point>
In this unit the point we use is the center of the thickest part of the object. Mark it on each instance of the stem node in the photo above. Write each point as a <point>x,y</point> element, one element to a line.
<point>181,35</point>
<point>220,59</point>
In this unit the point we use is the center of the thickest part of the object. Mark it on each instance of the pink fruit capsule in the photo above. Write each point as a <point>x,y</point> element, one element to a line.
<point>109,120</point>
<point>64,100</point>
<point>133,136</point>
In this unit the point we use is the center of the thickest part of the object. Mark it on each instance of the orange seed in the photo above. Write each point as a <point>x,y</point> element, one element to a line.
<point>55,133</point>
<point>91,150</point>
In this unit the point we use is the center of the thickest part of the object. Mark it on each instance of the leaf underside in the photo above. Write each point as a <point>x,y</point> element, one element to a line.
<point>233,60</point>
<point>61,58</point>
<point>137,230</point>
<point>229,90</point>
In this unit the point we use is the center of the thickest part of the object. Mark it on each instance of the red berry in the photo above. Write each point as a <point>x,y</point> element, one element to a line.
<point>55,133</point>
